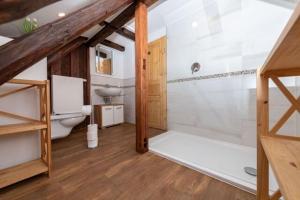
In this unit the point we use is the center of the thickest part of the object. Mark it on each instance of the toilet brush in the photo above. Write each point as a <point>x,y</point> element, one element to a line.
<point>92,133</point>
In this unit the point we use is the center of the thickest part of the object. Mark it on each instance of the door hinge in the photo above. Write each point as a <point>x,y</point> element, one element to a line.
<point>144,64</point>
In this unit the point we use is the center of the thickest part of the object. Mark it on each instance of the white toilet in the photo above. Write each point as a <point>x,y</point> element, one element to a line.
<point>61,125</point>
<point>67,105</point>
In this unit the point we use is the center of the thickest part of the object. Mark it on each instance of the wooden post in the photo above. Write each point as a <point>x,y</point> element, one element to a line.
<point>141,91</point>
<point>262,130</point>
<point>48,121</point>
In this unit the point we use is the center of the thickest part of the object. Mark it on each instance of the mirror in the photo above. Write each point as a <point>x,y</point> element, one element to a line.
<point>104,64</point>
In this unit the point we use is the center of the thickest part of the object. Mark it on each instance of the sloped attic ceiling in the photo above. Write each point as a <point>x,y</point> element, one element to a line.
<point>50,13</point>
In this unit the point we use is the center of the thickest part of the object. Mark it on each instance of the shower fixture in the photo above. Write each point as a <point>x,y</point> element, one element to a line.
<point>195,67</point>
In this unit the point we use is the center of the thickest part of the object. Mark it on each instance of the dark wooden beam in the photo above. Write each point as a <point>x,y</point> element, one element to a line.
<point>117,22</point>
<point>103,55</point>
<point>122,31</point>
<point>66,49</point>
<point>19,54</point>
<point>126,33</point>
<point>15,9</point>
<point>141,89</point>
<point>113,45</point>
<point>148,3</point>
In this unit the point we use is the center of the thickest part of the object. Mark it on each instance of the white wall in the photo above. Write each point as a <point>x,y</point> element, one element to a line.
<point>15,149</point>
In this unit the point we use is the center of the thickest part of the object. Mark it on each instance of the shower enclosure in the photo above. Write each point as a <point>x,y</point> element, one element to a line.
<point>212,112</point>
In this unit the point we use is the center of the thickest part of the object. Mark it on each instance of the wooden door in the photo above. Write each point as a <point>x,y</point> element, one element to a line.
<point>157,84</point>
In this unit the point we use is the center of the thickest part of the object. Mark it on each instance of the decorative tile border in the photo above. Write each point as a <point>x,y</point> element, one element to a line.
<point>128,86</point>
<point>197,78</point>
<point>221,75</point>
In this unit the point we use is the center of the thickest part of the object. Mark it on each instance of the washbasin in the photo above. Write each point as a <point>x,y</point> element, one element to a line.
<point>108,91</point>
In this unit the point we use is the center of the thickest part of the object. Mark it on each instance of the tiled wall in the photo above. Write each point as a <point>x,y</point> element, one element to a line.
<point>129,100</point>
<point>224,108</point>
<point>229,36</point>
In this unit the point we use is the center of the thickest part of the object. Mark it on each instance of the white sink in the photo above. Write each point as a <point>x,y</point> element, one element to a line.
<point>108,91</point>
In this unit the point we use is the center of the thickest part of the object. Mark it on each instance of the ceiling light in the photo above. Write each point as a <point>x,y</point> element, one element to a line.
<point>194,24</point>
<point>61,14</point>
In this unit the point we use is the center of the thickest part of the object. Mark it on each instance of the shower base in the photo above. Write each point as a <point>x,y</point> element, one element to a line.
<point>221,160</point>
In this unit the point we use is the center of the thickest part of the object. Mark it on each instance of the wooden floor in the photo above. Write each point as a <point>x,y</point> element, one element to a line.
<point>116,171</point>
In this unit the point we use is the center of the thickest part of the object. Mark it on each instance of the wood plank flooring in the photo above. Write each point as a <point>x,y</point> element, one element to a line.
<point>116,171</point>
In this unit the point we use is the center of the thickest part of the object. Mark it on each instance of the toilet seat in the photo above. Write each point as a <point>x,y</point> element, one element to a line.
<point>64,116</point>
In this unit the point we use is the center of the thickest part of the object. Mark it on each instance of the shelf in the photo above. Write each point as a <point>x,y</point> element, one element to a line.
<point>20,172</point>
<point>284,158</point>
<point>23,127</point>
<point>285,54</point>
<point>27,82</point>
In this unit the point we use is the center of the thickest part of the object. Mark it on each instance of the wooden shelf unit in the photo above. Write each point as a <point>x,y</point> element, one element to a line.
<point>281,152</point>
<point>21,172</point>
<point>28,169</point>
<point>284,157</point>
<point>23,127</point>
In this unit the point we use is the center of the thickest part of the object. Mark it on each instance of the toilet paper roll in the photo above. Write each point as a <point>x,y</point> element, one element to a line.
<point>86,110</point>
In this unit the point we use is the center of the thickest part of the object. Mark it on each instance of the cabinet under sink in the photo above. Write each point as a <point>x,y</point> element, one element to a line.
<point>109,115</point>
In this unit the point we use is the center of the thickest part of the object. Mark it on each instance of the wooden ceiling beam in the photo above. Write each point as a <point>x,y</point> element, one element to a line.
<point>121,31</point>
<point>21,53</point>
<point>16,9</point>
<point>66,49</point>
<point>103,55</point>
<point>113,45</point>
<point>126,33</point>
<point>117,22</point>
<point>148,3</point>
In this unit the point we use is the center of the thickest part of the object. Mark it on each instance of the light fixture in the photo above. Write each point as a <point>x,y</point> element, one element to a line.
<point>61,14</point>
<point>194,24</point>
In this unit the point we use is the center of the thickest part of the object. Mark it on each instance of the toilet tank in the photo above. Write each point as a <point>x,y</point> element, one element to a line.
<point>67,94</point>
